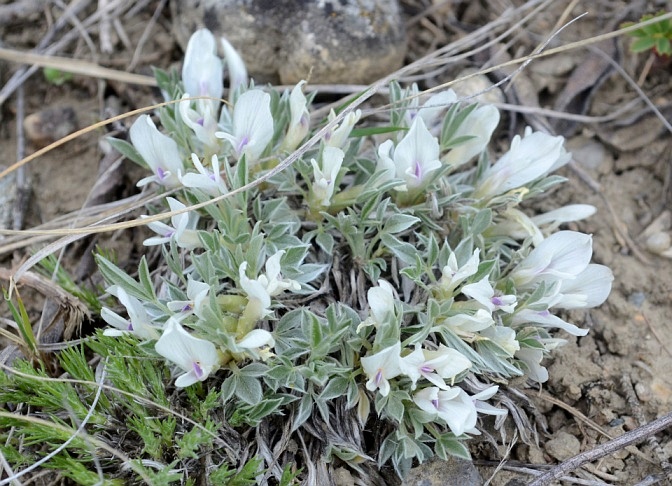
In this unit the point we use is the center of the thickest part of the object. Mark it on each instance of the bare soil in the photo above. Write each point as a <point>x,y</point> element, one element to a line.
<point>624,169</point>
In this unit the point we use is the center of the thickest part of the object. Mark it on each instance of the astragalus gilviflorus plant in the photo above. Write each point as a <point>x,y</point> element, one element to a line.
<point>366,301</point>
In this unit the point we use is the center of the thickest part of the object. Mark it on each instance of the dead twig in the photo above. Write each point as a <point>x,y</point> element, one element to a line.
<point>650,480</point>
<point>104,27</point>
<point>75,66</point>
<point>22,181</point>
<point>627,439</point>
<point>635,406</point>
<point>582,418</point>
<point>522,468</point>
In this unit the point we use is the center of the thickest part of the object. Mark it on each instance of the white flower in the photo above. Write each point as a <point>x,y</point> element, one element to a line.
<point>504,337</point>
<point>197,357</point>
<point>202,70</point>
<point>453,275</point>
<point>381,301</point>
<point>202,76</point>
<point>486,408</point>
<point>453,406</point>
<point>210,182</point>
<point>299,121</point>
<point>385,162</point>
<point>466,323</point>
<point>139,323</point>
<point>183,230</point>
<point>273,280</point>
<point>252,125</point>
<point>532,359</point>
<point>258,297</point>
<point>197,295</point>
<point>544,318</point>
<point>563,255</point>
<point>260,290</point>
<point>431,109</point>
<point>479,124</point>
<point>572,212</point>
<point>519,226</point>
<point>381,305</point>
<point>589,288</point>
<point>485,295</point>
<point>381,367</point>
<point>235,66</point>
<point>338,136</point>
<point>413,160</point>
<point>528,159</point>
<point>256,339</point>
<point>435,366</point>
<point>201,120</point>
<point>158,150</point>
<point>325,176</point>
<point>256,343</point>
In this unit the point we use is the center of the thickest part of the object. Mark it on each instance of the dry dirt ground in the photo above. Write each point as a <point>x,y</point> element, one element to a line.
<point>602,384</point>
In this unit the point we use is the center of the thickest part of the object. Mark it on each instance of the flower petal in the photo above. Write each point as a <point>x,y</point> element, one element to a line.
<point>256,339</point>
<point>235,65</point>
<point>382,366</point>
<point>590,288</point>
<point>532,358</point>
<point>253,288</point>
<point>528,159</point>
<point>564,254</point>
<point>202,68</point>
<point>417,155</point>
<point>197,357</point>
<point>479,124</point>
<point>381,301</point>
<point>158,150</point>
<point>252,124</point>
<point>547,320</point>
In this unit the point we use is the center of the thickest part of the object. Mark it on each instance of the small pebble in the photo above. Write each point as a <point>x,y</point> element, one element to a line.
<point>563,446</point>
<point>659,242</point>
<point>643,392</point>
<point>323,41</point>
<point>573,392</point>
<point>637,298</point>
<point>589,153</point>
<point>616,422</point>
<point>51,124</point>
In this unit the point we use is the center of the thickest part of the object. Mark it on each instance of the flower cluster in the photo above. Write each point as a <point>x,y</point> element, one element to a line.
<point>409,276</point>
